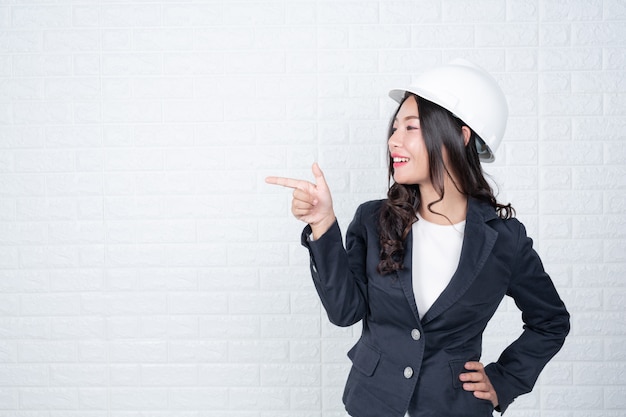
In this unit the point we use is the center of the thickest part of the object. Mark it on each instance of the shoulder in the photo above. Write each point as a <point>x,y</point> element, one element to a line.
<point>509,229</point>
<point>369,209</point>
<point>371,206</point>
<point>511,233</point>
<point>367,214</point>
<point>509,226</point>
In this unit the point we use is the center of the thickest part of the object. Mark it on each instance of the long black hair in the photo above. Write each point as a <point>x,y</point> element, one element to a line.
<point>440,129</point>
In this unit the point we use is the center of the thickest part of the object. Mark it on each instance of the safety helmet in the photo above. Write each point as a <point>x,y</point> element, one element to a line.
<point>471,94</point>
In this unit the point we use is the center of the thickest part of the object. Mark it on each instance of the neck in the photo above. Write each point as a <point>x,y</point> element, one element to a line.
<point>451,209</point>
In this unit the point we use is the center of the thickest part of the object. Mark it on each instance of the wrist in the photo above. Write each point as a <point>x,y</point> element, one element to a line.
<point>321,227</point>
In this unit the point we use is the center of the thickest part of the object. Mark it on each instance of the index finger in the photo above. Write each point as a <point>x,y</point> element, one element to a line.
<point>287,182</point>
<point>474,366</point>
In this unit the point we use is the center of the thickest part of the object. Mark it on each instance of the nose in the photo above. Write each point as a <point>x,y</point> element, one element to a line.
<point>394,140</point>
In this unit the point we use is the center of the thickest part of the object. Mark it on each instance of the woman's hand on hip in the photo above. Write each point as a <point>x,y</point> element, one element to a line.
<point>312,203</point>
<point>477,381</point>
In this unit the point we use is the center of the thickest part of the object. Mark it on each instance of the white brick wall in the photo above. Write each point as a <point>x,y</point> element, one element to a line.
<point>147,270</point>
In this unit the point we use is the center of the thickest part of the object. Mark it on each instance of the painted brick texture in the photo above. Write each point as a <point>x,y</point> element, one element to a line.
<point>147,270</point>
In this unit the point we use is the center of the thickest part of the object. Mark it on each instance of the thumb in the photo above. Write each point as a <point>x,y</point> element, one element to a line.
<point>320,180</point>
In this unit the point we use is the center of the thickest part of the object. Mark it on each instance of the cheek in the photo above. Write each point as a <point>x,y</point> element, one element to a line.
<point>418,149</point>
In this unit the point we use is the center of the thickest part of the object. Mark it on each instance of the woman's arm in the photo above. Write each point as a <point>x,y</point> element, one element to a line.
<point>339,273</point>
<point>546,324</point>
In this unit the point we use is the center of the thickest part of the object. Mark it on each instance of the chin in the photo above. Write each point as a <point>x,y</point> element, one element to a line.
<point>403,181</point>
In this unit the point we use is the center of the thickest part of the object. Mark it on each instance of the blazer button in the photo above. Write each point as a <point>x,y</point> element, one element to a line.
<point>415,334</point>
<point>408,372</point>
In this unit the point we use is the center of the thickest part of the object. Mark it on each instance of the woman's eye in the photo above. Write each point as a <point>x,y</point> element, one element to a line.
<point>412,128</point>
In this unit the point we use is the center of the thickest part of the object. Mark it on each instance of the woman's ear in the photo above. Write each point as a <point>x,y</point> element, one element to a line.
<point>467,134</point>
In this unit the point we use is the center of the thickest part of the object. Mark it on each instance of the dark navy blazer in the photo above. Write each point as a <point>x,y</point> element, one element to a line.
<point>402,362</point>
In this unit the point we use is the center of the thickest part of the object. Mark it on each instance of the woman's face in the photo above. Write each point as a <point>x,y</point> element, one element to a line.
<point>407,147</point>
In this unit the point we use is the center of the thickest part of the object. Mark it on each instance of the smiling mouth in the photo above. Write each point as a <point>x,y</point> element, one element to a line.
<point>399,160</point>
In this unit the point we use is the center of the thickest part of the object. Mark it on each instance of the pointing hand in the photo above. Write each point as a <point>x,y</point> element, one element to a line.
<point>312,203</point>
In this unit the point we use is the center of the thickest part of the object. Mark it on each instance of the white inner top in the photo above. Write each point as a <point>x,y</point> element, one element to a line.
<point>436,254</point>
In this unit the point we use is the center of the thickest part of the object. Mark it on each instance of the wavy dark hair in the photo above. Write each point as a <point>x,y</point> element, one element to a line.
<point>440,129</point>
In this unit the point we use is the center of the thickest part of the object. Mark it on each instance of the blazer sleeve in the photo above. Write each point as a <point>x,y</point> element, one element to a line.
<point>339,273</point>
<point>546,324</point>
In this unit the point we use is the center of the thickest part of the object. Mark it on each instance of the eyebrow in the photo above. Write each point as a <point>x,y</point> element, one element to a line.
<point>408,118</point>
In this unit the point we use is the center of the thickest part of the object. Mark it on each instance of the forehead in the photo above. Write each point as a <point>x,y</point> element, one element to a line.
<point>408,109</point>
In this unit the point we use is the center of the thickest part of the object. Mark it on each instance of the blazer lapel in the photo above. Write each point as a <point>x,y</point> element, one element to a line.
<point>477,246</point>
<point>405,276</point>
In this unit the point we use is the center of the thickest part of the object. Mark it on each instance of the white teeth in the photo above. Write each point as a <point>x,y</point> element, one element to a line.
<point>396,159</point>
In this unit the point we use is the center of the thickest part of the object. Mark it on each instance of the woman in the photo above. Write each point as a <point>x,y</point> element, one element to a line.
<point>426,268</point>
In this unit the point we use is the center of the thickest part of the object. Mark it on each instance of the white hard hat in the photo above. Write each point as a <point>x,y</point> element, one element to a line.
<point>471,94</point>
